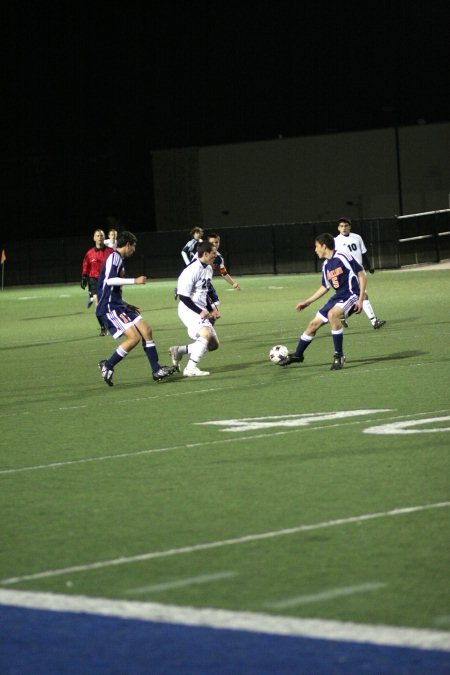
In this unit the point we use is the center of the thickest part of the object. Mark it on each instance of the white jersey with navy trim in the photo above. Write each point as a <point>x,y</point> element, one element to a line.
<point>194,282</point>
<point>352,244</point>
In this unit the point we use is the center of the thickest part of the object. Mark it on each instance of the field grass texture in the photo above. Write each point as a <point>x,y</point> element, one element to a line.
<point>295,491</point>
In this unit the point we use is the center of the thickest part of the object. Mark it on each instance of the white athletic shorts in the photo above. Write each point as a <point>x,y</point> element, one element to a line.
<point>193,322</point>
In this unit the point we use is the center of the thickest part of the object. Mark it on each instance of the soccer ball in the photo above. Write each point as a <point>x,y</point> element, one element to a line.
<point>278,352</point>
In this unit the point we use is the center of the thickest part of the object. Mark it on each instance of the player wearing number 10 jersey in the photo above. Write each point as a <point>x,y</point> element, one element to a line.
<point>352,243</point>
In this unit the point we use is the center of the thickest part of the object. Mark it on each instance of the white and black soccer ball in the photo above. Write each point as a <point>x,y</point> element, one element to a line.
<point>278,352</point>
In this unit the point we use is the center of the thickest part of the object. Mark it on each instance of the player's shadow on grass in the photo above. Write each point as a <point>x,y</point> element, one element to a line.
<point>53,316</point>
<point>389,357</point>
<point>47,343</point>
<point>239,366</point>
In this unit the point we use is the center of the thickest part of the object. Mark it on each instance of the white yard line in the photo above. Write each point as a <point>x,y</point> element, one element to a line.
<point>182,583</point>
<point>137,453</point>
<point>229,620</point>
<point>324,596</point>
<point>152,555</point>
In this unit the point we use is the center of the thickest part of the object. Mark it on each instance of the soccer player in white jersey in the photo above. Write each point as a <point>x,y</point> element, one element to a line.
<point>195,310</point>
<point>352,243</point>
<point>121,318</point>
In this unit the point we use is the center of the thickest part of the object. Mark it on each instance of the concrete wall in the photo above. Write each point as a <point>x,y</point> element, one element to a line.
<point>365,174</point>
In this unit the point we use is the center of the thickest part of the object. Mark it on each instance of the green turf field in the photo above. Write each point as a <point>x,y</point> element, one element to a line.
<point>245,490</point>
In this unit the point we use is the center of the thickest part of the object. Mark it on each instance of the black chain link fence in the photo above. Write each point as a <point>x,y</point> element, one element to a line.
<point>282,248</point>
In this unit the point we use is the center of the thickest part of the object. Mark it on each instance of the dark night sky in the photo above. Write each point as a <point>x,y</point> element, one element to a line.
<point>91,90</point>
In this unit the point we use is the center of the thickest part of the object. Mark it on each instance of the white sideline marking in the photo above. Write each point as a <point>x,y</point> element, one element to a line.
<point>219,544</point>
<point>184,446</point>
<point>418,638</point>
<point>182,583</point>
<point>326,595</point>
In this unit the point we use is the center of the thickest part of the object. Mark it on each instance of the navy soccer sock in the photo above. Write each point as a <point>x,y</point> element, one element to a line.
<point>303,343</point>
<point>152,355</point>
<point>118,355</point>
<point>338,341</point>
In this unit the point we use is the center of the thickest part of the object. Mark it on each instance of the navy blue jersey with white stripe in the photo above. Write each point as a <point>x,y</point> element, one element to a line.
<point>110,297</point>
<point>340,272</point>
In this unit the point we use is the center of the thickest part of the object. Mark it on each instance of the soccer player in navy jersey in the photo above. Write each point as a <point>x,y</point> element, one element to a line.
<point>219,264</point>
<point>190,248</point>
<point>347,278</point>
<point>122,318</point>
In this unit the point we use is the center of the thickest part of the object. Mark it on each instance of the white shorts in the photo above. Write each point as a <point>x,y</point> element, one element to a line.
<point>193,322</point>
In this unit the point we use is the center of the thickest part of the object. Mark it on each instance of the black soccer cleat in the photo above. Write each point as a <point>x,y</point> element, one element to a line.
<point>379,323</point>
<point>344,323</point>
<point>107,373</point>
<point>164,372</point>
<point>290,358</point>
<point>338,362</point>
<point>103,331</point>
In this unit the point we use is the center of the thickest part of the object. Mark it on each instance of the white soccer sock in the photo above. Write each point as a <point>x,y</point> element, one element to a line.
<point>307,338</point>
<point>196,351</point>
<point>367,307</point>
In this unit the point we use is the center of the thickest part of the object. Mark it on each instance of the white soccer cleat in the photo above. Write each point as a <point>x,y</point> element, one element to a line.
<point>176,357</point>
<point>194,372</point>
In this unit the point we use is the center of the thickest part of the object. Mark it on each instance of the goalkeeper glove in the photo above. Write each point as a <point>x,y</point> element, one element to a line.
<point>84,281</point>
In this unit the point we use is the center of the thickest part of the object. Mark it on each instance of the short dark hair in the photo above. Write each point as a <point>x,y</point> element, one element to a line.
<point>196,229</point>
<point>125,238</point>
<point>204,247</point>
<point>345,220</point>
<point>327,239</point>
<point>212,235</point>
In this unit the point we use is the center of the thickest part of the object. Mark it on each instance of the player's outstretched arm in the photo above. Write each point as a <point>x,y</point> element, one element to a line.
<point>303,304</point>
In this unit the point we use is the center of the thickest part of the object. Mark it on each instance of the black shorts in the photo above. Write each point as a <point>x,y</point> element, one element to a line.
<point>92,285</point>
